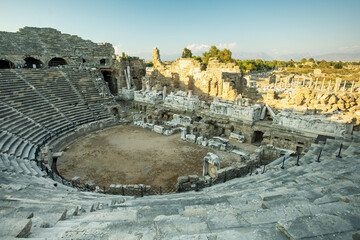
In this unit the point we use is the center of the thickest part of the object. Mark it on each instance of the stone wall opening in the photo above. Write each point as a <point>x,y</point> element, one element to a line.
<point>6,64</point>
<point>103,61</point>
<point>110,80</point>
<point>54,62</point>
<point>115,113</point>
<point>299,149</point>
<point>31,62</point>
<point>257,137</point>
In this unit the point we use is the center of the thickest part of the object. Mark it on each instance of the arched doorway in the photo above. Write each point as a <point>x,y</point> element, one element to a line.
<point>103,61</point>
<point>6,64</point>
<point>57,62</point>
<point>31,62</point>
<point>258,137</point>
<point>111,81</point>
<point>115,113</point>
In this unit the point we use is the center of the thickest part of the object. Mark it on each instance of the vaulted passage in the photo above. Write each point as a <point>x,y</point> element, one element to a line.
<point>31,62</point>
<point>4,64</point>
<point>110,80</point>
<point>57,62</point>
<point>258,137</point>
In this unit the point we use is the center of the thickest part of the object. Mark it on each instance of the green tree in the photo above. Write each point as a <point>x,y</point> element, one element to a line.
<point>197,58</point>
<point>323,64</point>
<point>311,60</point>
<point>225,56</point>
<point>213,52</point>
<point>186,53</point>
<point>338,65</point>
<point>303,60</point>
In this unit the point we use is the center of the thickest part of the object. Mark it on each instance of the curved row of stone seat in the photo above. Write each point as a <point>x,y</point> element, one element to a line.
<point>32,206</point>
<point>88,90</point>
<point>315,200</point>
<point>17,165</point>
<point>48,82</point>
<point>32,110</point>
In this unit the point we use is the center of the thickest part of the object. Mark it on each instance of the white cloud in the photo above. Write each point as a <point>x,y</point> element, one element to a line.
<point>198,47</point>
<point>195,47</point>
<point>226,45</point>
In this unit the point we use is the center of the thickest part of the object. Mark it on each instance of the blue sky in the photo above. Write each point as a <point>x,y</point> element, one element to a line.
<point>274,28</point>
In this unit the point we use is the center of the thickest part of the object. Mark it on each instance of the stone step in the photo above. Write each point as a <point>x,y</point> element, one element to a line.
<point>30,168</point>
<point>23,166</point>
<point>37,169</point>
<point>316,227</point>
<point>15,227</point>
<point>7,163</point>
<point>18,169</point>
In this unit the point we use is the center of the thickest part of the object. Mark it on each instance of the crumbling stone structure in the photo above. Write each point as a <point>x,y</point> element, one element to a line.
<point>218,80</point>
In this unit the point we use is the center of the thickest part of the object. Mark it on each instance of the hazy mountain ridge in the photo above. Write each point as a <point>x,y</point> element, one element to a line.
<point>339,56</point>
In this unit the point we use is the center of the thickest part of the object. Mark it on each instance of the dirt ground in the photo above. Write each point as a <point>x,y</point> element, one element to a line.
<point>133,155</point>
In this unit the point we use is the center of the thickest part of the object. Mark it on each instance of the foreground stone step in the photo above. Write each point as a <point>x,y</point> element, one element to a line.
<point>321,226</point>
<point>15,227</point>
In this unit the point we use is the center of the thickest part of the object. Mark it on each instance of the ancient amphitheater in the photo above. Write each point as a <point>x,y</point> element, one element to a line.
<point>281,173</point>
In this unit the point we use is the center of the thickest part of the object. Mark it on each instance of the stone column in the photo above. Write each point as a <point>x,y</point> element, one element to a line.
<point>164,93</point>
<point>329,85</point>
<point>344,87</point>
<point>190,94</point>
<point>147,85</point>
<point>129,76</point>
<point>310,83</point>
<point>275,82</point>
<point>316,83</point>
<point>286,80</point>
<point>322,85</point>
<point>352,87</point>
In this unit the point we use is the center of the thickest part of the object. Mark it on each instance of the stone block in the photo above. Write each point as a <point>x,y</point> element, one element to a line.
<point>191,138</point>
<point>76,180</point>
<point>237,137</point>
<point>199,140</point>
<point>183,179</point>
<point>214,144</point>
<point>313,226</point>
<point>159,129</point>
<point>193,178</point>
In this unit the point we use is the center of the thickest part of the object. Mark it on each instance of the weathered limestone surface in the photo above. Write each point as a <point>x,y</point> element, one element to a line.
<point>148,97</point>
<point>249,114</point>
<point>46,43</point>
<point>183,103</point>
<point>219,79</point>
<point>312,123</point>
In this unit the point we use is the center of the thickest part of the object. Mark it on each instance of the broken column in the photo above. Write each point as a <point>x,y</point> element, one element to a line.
<point>211,165</point>
<point>164,93</point>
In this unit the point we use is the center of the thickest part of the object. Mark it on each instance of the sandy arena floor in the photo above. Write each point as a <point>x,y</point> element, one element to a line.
<point>133,155</point>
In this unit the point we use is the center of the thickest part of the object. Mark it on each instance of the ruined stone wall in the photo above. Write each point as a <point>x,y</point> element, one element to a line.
<point>218,80</point>
<point>47,43</point>
<point>248,114</point>
<point>137,71</point>
<point>319,124</point>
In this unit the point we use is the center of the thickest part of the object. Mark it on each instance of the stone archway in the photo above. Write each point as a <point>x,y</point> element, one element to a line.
<point>110,80</point>
<point>56,61</point>
<point>6,64</point>
<point>31,62</point>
